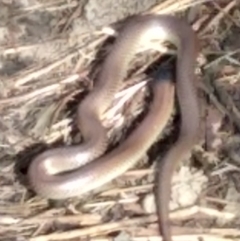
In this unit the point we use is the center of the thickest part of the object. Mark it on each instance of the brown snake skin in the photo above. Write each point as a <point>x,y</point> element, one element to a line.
<point>44,171</point>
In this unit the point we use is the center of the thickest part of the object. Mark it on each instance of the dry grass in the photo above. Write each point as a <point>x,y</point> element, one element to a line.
<point>40,84</point>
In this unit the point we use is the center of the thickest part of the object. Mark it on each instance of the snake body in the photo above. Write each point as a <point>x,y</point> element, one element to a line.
<point>87,168</point>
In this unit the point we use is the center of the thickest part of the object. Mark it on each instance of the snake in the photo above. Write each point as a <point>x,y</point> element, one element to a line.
<point>70,171</point>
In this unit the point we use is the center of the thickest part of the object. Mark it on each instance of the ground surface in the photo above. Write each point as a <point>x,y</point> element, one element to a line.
<point>46,54</point>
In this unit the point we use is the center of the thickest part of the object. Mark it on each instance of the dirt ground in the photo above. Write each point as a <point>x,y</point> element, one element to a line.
<point>49,58</point>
